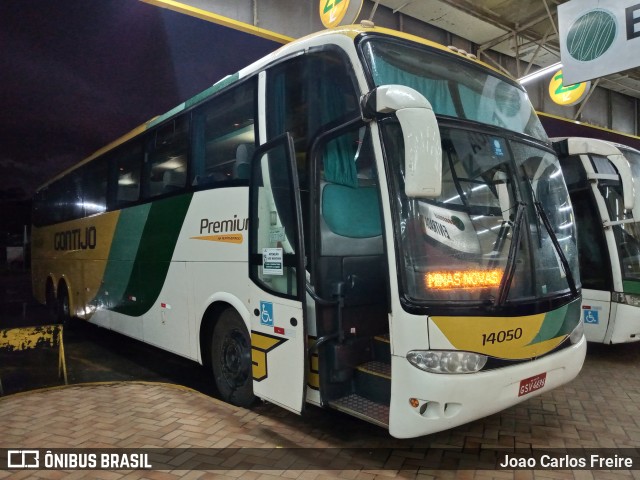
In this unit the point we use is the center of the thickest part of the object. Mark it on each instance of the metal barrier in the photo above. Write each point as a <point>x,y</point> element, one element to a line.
<point>29,338</point>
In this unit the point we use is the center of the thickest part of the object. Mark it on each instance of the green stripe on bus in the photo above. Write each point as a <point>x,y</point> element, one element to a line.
<point>165,116</point>
<point>124,247</point>
<point>631,286</point>
<point>154,254</point>
<point>559,322</point>
<point>216,87</point>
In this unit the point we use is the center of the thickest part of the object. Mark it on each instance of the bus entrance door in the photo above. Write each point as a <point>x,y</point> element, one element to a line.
<point>276,270</point>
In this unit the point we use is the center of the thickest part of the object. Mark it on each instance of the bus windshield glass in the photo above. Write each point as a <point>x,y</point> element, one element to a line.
<point>455,87</point>
<point>499,231</point>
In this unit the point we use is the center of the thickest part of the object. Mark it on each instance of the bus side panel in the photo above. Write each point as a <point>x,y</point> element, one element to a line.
<point>624,325</point>
<point>156,246</point>
<point>168,323</point>
<point>211,282</point>
<point>596,305</point>
<point>77,252</point>
<point>213,244</point>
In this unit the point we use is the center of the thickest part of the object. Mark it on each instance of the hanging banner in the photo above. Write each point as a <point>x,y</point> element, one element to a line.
<point>598,37</point>
<point>339,12</point>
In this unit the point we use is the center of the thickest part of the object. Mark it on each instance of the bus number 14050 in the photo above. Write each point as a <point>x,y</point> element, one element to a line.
<point>502,336</point>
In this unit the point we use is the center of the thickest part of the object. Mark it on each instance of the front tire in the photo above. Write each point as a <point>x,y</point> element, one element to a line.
<point>231,360</point>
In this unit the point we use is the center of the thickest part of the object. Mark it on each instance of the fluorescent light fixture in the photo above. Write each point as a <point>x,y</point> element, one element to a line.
<point>540,73</point>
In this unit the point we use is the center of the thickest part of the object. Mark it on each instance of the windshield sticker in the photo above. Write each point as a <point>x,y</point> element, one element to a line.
<point>498,149</point>
<point>454,231</point>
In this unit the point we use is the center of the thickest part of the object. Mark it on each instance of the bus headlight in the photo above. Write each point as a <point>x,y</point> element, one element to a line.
<point>444,361</point>
<point>626,299</point>
<point>577,333</point>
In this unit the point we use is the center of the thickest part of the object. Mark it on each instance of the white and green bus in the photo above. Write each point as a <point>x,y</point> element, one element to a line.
<point>362,220</point>
<point>604,180</point>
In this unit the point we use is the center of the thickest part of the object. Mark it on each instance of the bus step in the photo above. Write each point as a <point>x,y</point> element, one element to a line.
<point>372,380</point>
<point>379,369</point>
<point>363,408</point>
<point>382,348</point>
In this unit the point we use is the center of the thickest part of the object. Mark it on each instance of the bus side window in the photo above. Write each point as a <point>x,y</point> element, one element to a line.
<point>593,255</point>
<point>224,137</point>
<point>128,164</point>
<point>305,95</point>
<point>94,186</point>
<point>166,162</point>
<point>573,172</point>
<point>68,203</point>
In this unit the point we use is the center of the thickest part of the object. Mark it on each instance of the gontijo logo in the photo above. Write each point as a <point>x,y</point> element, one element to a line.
<point>227,231</point>
<point>76,239</point>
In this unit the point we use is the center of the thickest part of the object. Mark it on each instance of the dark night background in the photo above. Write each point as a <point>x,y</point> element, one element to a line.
<point>77,74</point>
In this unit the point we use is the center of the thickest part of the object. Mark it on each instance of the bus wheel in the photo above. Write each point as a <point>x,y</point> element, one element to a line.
<point>50,300</point>
<point>64,309</point>
<point>231,360</point>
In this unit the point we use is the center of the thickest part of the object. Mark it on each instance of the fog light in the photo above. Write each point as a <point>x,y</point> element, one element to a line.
<point>444,361</point>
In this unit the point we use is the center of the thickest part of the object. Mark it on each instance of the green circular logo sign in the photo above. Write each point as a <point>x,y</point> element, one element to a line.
<point>591,35</point>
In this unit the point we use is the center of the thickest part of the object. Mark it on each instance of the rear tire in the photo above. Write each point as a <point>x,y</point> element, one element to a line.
<point>50,301</point>
<point>231,360</point>
<point>63,306</point>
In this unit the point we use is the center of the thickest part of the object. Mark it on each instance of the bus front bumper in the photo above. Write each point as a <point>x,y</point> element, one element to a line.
<point>446,401</point>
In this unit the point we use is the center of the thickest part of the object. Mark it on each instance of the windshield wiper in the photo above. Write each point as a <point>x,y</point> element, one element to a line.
<point>510,268</point>
<point>542,215</point>
<point>556,243</point>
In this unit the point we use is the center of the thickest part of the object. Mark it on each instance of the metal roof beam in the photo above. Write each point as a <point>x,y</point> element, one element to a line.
<point>522,28</point>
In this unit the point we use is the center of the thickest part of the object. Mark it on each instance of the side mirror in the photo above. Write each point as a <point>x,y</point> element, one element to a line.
<point>423,152</point>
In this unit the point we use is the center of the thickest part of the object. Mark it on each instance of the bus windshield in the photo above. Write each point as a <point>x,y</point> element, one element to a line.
<point>455,88</point>
<point>499,232</point>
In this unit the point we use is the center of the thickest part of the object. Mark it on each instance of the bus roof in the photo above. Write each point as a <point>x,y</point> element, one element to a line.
<point>583,145</point>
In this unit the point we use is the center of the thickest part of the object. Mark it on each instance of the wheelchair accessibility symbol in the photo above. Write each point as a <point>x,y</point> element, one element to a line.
<point>266,314</point>
<point>590,316</point>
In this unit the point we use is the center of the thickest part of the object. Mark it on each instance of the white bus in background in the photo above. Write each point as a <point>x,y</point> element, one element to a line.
<point>604,184</point>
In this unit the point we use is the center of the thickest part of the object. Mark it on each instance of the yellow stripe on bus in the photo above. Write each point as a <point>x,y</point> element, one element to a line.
<point>502,337</point>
